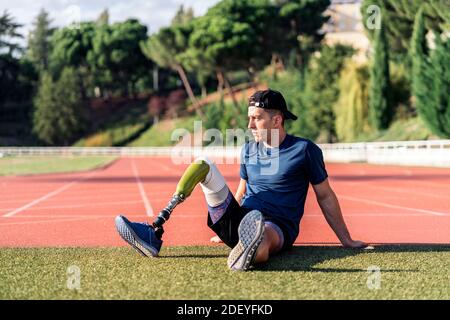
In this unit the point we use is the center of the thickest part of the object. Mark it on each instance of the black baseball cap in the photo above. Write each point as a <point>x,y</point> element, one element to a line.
<point>271,99</point>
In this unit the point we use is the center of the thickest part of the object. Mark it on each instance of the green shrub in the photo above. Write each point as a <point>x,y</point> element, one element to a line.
<point>352,106</point>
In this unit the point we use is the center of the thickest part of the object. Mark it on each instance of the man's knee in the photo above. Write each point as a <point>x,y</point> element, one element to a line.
<point>205,172</point>
<point>214,180</point>
<point>214,186</point>
<point>193,175</point>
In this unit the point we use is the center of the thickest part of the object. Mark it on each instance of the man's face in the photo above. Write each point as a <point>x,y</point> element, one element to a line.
<point>261,124</point>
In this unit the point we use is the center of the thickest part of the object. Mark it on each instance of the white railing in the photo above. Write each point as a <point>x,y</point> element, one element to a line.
<point>434,153</point>
<point>231,152</point>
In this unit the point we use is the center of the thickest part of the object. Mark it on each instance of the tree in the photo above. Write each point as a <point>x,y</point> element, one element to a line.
<point>398,19</point>
<point>299,24</point>
<point>103,18</point>
<point>107,56</point>
<point>9,65</point>
<point>70,47</point>
<point>322,87</point>
<point>439,95</point>
<point>9,32</point>
<point>165,48</point>
<point>182,16</point>
<point>60,116</point>
<point>17,81</point>
<point>116,59</point>
<point>39,41</point>
<point>380,102</point>
<point>352,108</point>
<point>431,78</point>
<point>229,37</point>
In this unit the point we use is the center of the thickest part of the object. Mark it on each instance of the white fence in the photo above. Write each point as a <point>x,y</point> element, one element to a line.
<point>435,153</point>
<point>174,152</point>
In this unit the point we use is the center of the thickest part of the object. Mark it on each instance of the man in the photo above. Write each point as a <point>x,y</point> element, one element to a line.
<point>263,217</point>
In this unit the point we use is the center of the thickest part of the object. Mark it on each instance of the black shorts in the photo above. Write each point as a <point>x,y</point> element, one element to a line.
<point>227,226</point>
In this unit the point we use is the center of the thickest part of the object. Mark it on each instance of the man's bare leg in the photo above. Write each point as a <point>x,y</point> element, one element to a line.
<point>269,246</point>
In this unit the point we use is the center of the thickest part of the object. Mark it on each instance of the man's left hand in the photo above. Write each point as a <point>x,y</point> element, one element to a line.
<point>355,244</point>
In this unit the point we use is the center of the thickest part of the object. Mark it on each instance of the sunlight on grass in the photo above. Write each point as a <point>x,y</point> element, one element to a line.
<point>25,165</point>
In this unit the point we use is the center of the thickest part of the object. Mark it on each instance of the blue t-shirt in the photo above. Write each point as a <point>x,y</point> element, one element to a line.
<point>278,179</point>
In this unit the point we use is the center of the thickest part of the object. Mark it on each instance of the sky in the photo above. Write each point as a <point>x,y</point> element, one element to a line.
<point>152,13</point>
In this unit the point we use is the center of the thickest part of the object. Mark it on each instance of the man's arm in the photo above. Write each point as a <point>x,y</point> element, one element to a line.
<point>329,204</point>
<point>240,190</point>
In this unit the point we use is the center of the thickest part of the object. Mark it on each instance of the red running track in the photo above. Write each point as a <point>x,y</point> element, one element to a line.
<point>381,204</point>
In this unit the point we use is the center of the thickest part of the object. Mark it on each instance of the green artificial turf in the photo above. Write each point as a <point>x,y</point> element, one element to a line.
<point>25,165</point>
<point>407,272</point>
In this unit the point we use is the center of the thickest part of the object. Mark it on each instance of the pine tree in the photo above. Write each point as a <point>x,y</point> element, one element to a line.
<point>103,18</point>
<point>43,116</point>
<point>39,41</point>
<point>430,78</point>
<point>380,106</point>
<point>426,81</point>
<point>182,16</point>
<point>440,62</point>
<point>8,33</point>
<point>419,53</point>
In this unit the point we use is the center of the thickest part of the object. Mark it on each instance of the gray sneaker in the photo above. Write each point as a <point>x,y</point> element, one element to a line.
<point>251,232</point>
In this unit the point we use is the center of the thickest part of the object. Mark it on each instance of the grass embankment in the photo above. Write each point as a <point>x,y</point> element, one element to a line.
<point>402,130</point>
<point>52,164</point>
<point>160,134</point>
<point>119,128</point>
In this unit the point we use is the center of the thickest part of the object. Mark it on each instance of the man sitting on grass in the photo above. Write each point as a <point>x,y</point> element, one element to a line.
<point>263,218</point>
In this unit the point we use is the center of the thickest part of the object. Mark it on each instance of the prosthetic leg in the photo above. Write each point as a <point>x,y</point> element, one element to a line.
<point>145,238</point>
<point>194,174</point>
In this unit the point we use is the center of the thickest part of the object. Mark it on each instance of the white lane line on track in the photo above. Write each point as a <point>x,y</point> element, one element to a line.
<point>387,205</point>
<point>147,205</point>
<point>47,216</point>
<point>96,204</point>
<point>390,189</point>
<point>105,193</point>
<point>47,196</point>
<point>93,197</point>
<point>75,198</point>
<point>49,221</point>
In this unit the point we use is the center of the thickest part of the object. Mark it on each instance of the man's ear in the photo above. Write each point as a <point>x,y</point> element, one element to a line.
<point>278,120</point>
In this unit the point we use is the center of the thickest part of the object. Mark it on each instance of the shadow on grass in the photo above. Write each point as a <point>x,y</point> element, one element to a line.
<point>305,258</point>
<point>197,256</point>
